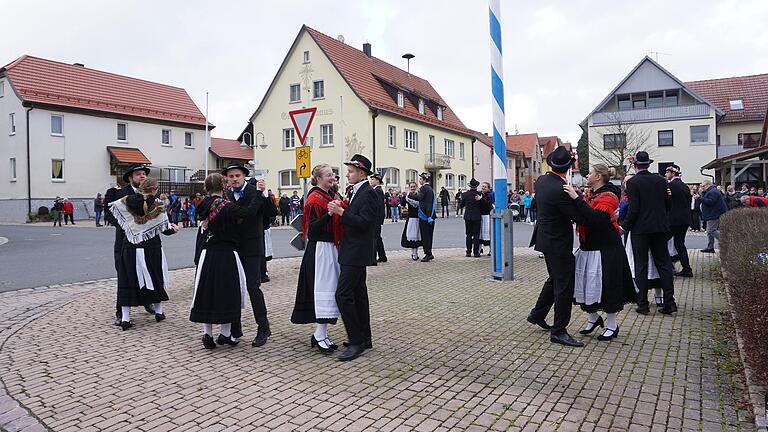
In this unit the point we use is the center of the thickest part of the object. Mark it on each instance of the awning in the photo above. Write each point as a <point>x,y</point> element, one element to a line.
<point>127,155</point>
<point>736,157</point>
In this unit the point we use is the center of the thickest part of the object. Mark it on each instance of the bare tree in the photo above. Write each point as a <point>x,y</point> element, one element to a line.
<point>613,144</point>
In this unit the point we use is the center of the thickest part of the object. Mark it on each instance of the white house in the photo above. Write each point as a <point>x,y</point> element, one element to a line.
<point>70,131</point>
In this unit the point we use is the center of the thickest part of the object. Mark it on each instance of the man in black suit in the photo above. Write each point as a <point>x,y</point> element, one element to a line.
<point>251,246</point>
<point>553,236</point>
<point>356,252</point>
<point>679,216</point>
<point>376,184</point>
<point>648,225</point>
<point>427,203</point>
<point>473,206</point>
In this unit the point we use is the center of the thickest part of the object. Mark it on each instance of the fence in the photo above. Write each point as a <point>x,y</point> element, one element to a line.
<point>181,189</point>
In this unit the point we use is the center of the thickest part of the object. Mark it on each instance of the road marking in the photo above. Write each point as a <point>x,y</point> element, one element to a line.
<point>3,241</point>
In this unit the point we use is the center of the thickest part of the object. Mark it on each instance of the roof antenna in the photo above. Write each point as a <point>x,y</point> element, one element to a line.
<point>516,132</point>
<point>656,54</point>
<point>408,56</point>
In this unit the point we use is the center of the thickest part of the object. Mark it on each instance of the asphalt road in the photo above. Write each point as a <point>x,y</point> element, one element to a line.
<point>41,255</point>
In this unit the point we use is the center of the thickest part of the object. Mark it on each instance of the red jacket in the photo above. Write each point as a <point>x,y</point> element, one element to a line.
<point>756,201</point>
<point>68,208</point>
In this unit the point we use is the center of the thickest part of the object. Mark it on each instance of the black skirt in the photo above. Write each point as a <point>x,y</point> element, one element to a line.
<point>219,283</point>
<point>413,223</point>
<point>305,308</point>
<point>618,287</point>
<point>132,290</point>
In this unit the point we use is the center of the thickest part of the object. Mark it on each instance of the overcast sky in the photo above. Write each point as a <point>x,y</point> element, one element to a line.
<point>561,58</point>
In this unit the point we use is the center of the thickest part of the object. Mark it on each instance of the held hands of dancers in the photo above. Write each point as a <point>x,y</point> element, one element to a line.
<point>335,207</point>
<point>571,191</point>
<point>175,228</point>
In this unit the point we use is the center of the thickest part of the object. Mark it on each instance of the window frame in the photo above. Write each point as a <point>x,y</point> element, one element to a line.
<point>12,123</point>
<point>415,178</point>
<point>452,184</point>
<point>462,151</point>
<point>191,136</point>
<point>400,99</point>
<point>12,169</point>
<point>389,176</point>
<point>449,144</point>
<point>392,136</point>
<point>440,113</point>
<point>306,56</point>
<point>414,140</point>
<point>462,179</point>
<point>421,106</point>
<point>170,138</point>
<point>292,134</point>
<point>668,97</point>
<point>755,141</point>
<point>613,137</point>
<point>57,134</point>
<point>290,93</point>
<point>699,142</point>
<point>732,102</point>
<point>291,177</point>
<point>61,178</point>
<point>314,89</point>
<point>672,138</point>
<point>323,135</point>
<point>2,88</point>
<point>125,132</point>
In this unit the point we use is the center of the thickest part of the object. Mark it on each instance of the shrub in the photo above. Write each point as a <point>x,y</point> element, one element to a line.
<point>744,257</point>
<point>32,217</point>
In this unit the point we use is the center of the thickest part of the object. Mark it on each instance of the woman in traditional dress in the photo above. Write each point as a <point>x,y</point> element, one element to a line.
<point>144,276</point>
<point>220,288</point>
<point>485,218</point>
<point>603,279</point>
<point>411,234</point>
<point>319,273</point>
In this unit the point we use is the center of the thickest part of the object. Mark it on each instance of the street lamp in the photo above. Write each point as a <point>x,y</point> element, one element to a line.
<point>245,144</point>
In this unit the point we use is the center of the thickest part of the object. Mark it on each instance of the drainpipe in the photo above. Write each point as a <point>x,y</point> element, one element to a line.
<point>29,167</point>
<point>375,114</point>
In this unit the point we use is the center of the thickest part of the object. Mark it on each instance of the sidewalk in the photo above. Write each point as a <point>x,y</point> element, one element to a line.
<point>452,351</point>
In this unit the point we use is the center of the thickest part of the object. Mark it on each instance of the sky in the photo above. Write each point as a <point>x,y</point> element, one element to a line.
<point>561,58</point>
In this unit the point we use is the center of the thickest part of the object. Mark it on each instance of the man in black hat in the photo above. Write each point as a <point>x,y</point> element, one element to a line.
<point>473,202</point>
<point>356,252</point>
<point>251,246</point>
<point>427,203</point>
<point>553,236</point>
<point>132,178</point>
<point>376,184</point>
<point>680,216</point>
<point>648,226</point>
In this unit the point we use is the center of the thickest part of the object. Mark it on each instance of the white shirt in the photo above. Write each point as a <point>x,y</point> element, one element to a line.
<point>355,188</point>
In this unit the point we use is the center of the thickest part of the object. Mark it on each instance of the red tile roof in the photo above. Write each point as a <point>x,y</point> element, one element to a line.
<point>230,149</point>
<point>752,90</point>
<point>483,138</point>
<point>64,85</point>
<point>127,155</point>
<point>547,144</point>
<point>365,75</point>
<point>525,143</point>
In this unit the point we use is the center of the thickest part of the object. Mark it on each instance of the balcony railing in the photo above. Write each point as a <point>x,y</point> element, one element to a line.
<point>437,161</point>
<point>651,114</point>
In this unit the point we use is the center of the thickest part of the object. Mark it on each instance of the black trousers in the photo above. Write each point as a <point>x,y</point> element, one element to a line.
<point>678,234</point>
<point>380,252</point>
<point>472,229</point>
<point>252,268</point>
<point>557,290</point>
<point>352,300</point>
<point>427,231</point>
<point>656,243</point>
<point>285,219</point>
<point>446,211</point>
<point>696,220</point>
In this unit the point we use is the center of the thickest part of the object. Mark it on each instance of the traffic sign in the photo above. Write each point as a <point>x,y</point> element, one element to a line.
<point>303,164</point>
<point>301,120</point>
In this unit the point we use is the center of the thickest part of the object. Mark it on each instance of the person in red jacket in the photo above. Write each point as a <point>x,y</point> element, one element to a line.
<point>754,201</point>
<point>69,211</point>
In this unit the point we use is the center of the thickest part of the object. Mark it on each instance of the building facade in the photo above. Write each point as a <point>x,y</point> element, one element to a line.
<point>364,105</point>
<point>71,131</point>
<point>484,156</point>
<point>530,169</point>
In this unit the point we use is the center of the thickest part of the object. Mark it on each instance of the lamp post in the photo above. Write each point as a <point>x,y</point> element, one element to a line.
<point>252,144</point>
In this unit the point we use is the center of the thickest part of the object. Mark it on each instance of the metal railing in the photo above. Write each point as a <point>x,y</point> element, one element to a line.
<point>651,114</point>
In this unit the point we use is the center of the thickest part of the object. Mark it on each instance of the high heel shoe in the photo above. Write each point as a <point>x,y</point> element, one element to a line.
<point>594,325</point>
<point>159,317</point>
<point>603,337</point>
<point>315,343</point>
<point>125,325</point>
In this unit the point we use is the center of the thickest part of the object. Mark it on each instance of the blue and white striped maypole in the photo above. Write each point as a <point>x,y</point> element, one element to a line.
<point>499,145</point>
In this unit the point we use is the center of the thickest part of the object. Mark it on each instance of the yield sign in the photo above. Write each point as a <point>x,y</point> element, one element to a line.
<point>301,120</point>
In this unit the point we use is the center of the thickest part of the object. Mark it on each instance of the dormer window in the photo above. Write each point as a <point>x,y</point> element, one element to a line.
<point>439,113</point>
<point>736,104</point>
<point>421,106</point>
<point>400,100</point>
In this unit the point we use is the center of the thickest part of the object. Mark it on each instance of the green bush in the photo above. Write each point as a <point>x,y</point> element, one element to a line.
<point>744,257</point>
<point>32,217</point>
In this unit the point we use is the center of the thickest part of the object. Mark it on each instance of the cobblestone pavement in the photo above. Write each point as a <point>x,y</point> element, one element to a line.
<point>452,351</point>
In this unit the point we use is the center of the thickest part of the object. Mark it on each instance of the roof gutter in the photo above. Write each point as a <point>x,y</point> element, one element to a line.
<point>29,164</point>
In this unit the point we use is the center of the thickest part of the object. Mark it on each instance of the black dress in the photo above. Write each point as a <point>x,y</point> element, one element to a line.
<point>411,237</point>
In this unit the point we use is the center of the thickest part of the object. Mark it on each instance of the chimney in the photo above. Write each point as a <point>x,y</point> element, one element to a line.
<point>78,64</point>
<point>367,49</point>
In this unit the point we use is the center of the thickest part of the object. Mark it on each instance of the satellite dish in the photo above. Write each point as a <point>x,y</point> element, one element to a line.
<point>340,38</point>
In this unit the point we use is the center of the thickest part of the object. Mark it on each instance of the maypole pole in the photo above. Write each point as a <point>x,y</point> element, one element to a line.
<point>501,238</point>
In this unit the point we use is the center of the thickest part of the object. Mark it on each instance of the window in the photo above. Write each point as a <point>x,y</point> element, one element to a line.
<point>736,104</point>
<point>700,134</point>
<point>392,177</point>
<point>295,93</point>
<point>306,56</point>
<point>431,144</point>
<point>663,167</point>
<point>638,101</point>
<point>449,144</point>
<point>655,99</point>
<point>2,88</point>
<point>614,141</point>
<point>12,124</point>
<point>461,150</point>
<point>289,138</point>
<point>166,137</point>
<point>750,140</point>
<point>188,139</point>
<point>178,175</point>
<point>717,139</point>
<point>666,138</point>
<point>411,140</point>
<point>326,135</point>
<point>392,137</point>
<point>288,179</point>
<point>13,169</point>
<point>671,97</point>
<point>122,132</point>
<point>57,169</point>
<point>57,125</point>
<point>421,106</point>
<point>462,181</point>
<point>411,176</point>
<point>318,89</point>
<point>623,102</point>
<point>400,100</point>
<point>439,113</point>
<point>449,181</point>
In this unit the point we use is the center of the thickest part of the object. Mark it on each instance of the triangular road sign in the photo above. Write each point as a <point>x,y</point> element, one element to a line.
<point>301,120</point>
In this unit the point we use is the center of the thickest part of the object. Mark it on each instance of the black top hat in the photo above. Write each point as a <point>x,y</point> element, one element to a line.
<point>474,183</point>
<point>132,168</point>
<point>642,158</point>
<point>377,176</point>
<point>233,165</point>
<point>560,159</point>
<point>360,162</point>
<point>425,176</point>
<point>674,168</point>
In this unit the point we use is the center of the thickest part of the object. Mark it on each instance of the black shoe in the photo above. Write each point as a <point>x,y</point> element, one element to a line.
<point>149,309</point>
<point>613,335</point>
<point>669,308</point>
<point>261,337</point>
<point>593,326</point>
<point>125,325</point>
<point>469,254</point>
<point>565,339</point>
<point>159,317</point>
<point>208,342</point>
<point>221,340</point>
<point>684,273</point>
<point>539,322</point>
<point>352,352</point>
<point>265,279</point>
<point>477,255</point>
<point>315,343</point>
<point>368,344</point>
<point>643,310</point>
<point>428,258</point>
<point>382,260</point>
<point>708,250</point>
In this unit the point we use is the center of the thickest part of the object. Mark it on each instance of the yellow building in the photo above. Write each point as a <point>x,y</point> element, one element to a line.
<point>364,105</point>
